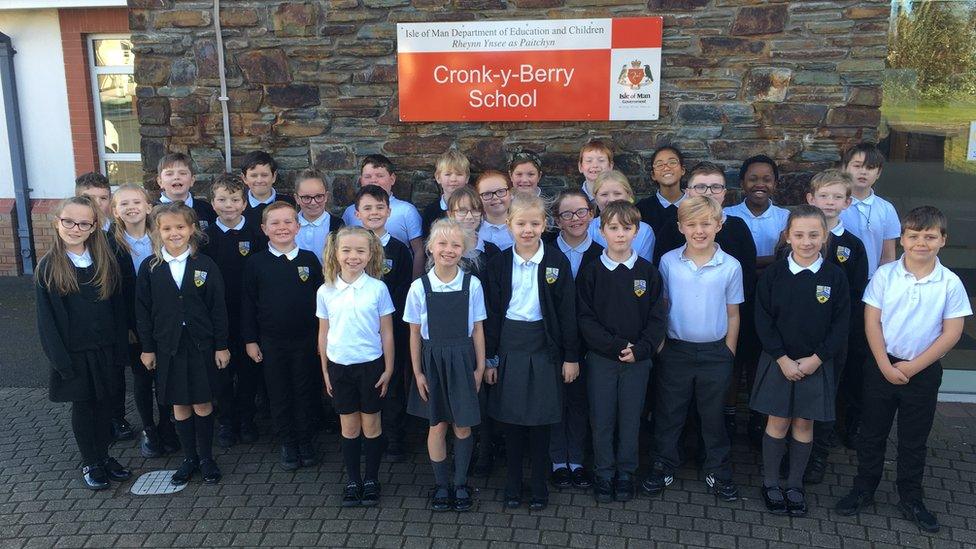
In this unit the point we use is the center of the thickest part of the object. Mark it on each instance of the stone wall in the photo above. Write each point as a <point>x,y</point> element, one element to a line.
<point>314,83</point>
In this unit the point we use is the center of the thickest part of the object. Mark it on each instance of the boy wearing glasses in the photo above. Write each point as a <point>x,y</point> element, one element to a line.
<point>314,220</point>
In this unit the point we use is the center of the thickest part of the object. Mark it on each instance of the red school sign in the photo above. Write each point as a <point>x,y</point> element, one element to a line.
<point>566,69</point>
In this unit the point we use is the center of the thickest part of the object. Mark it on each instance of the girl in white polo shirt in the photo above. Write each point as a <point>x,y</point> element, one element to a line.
<point>356,348</point>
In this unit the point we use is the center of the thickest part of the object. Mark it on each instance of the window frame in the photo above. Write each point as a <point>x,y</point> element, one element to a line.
<point>94,71</point>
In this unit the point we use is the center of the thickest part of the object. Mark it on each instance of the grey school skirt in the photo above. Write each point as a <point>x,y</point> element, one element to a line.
<point>810,398</point>
<point>529,389</point>
<point>449,368</point>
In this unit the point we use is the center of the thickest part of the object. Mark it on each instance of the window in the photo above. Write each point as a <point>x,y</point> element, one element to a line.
<point>116,120</point>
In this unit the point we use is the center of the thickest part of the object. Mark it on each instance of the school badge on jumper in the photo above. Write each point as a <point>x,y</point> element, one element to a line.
<point>199,277</point>
<point>244,248</point>
<point>843,253</point>
<point>303,272</point>
<point>387,266</point>
<point>552,273</point>
<point>640,287</point>
<point>823,293</point>
<point>204,225</point>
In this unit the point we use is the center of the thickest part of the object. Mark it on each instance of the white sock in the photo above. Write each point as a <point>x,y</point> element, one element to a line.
<point>556,466</point>
<point>574,466</point>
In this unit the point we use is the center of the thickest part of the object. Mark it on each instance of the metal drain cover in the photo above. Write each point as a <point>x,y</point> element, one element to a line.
<point>155,483</point>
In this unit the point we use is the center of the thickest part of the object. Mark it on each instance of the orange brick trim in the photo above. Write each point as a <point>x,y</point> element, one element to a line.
<point>75,25</point>
<point>42,219</point>
<point>9,245</point>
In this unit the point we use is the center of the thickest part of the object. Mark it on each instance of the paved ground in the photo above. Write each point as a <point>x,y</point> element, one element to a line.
<point>42,503</point>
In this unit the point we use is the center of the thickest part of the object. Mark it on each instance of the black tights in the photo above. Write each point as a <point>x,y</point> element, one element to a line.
<point>91,422</point>
<point>538,443</point>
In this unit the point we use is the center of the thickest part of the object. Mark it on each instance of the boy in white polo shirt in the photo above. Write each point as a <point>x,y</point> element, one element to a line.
<point>703,285</point>
<point>870,217</point>
<point>913,316</point>
<point>758,177</point>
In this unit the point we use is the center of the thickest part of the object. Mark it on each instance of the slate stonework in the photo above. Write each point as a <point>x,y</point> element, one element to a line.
<point>314,83</point>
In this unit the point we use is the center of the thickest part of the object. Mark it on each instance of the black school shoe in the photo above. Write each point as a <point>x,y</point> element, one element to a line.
<point>289,457</point>
<point>210,472</point>
<point>775,500</point>
<point>725,489</point>
<point>121,429</point>
<point>915,511</point>
<point>602,490</point>
<point>115,471</point>
<point>538,504</point>
<point>462,499</point>
<point>796,502</point>
<point>371,493</point>
<point>561,478</point>
<point>440,499</point>
<point>151,445</point>
<point>623,489</point>
<point>581,478</point>
<point>185,472</point>
<point>352,495</point>
<point>659,478</point>
<point>306,455</point>
<point>853,503</point>
<point>94,477</point>
<point>226,437</point>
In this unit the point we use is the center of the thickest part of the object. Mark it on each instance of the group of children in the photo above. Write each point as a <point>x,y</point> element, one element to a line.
<point>509,318</point>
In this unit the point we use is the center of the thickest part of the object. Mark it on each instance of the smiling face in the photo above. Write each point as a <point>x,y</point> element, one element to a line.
<point>281,227</point>
<point>446,248</point>
<point>313,197</point>
<point>131,206</point>
<point>667,167</point>
<point>610,191</point>
<point>228,205</point>
<point>260,179</point>
<point>526,227</point>
<point>593,163</point>
<point>577,225</point>
<point>372,213</point>
<point>75,237</point>
<point>450,180</point>
<point>831,199</point>
<point>619,235</point>
<point>922,246</point>
<point>377,175</point>
<point>759,184</point>
<point>175,181</point>
<point>864,177</point>
<point>806,236</point>
<point>526,177</point>
<point>466,214</point>
<point>174,232</point>
<point>352,253</point>
<point>490,188</point>
<point>700,231</point>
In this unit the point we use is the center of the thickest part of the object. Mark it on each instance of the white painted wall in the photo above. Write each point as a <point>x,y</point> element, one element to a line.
<point>43,96</point>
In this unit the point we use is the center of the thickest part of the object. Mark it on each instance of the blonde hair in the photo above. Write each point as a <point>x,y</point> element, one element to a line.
<point>699,206</point>
<point>829,177</point>
<point>278,205</point>
<point>614,176</point>
<point>118,224</point>
<point>444,226</point>
<point>452,160</point>
<point>524,202</point>
<point>330,259</point>
<point>189,217</point>
<point>58,273</point>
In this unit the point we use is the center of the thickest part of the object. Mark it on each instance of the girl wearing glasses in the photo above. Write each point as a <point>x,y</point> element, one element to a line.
<point>82,325</point>
<point>314,220</point>
<point>495,190</point>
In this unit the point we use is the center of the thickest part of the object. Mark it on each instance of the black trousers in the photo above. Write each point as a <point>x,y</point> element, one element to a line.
<point>914,403</point>
<point>699,371</point>
<point>568,437</point>
<point>238,385</point>
<point>393,416</point>
<point>616,393</point>
<point>536,438</point>
<point>91,423</point>
<point>289,368</point>
<point>851,358</point>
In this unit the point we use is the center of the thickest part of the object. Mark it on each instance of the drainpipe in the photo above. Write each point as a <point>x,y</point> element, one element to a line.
<point>223,85</point>
<point>11,108</point>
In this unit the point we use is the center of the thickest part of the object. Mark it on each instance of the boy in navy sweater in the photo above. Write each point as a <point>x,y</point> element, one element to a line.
<point>260,172</point>
<point>175,179</point>
<point>279,330</point>
<point>231,240</point>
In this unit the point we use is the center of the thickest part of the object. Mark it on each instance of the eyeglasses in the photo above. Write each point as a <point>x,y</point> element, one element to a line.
<point>671,163</point>
<point>308,199</point>
<point>713,189</point>
<point>71,224</point>
<point>569,215</point>
<point>500,193</point>
<point>466,213</point>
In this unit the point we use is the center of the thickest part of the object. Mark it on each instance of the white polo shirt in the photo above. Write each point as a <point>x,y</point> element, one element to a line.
<point>575,255</point>
<point>177,265</point>
<point>82,261</point>
<point>353,311</point>
<point>313,234</point>
<point>699,296</point>
<point>254,202</point>
<point>404,222</point>
<point>643,243</point>
<point>139,248</point>
<point>415,310</point>
<point>765,227</point>
<point>873,220</point>
<point>524,304</point>
<point>912,310</point>
<point>499,235</point>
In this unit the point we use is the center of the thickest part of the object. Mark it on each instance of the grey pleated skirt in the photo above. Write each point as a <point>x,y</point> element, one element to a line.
<point>810,398</point>
<point>449,367</point>
<point>529,389</point>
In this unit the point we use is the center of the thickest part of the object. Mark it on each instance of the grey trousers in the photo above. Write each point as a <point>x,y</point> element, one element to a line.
<point>701,371</point>
<point>616,391</point>
<point>567,437</point>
